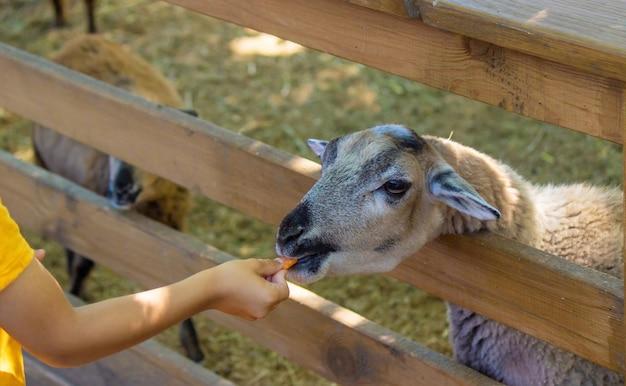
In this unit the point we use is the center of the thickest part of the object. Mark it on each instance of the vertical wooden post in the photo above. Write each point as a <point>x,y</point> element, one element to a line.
<point>622,122</point>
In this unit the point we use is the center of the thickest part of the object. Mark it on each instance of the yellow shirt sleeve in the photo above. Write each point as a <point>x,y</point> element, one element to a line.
<point>15,253</point>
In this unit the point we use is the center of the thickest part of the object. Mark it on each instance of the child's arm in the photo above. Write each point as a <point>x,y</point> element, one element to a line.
<point>34,310</point>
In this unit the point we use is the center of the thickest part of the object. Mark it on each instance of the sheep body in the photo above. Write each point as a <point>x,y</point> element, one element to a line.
<point>578,222</point>
<point>99,58</point>
<point>517,359</point>
<point>583,224</point>
<point>385,192</point>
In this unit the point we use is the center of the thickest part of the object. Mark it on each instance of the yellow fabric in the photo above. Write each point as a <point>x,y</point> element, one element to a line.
<point>15,255</point>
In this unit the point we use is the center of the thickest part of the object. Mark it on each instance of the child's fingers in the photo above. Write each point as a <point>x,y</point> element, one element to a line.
<point>278,277</point>
<point>40,254</point>
<point>279,281</point>
<point>266,267</point>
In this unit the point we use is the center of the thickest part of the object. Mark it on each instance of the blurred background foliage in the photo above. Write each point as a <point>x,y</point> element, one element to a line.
<point>281,93</point>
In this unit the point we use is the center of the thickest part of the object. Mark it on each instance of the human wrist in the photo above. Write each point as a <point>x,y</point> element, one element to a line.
<point>208,282</point>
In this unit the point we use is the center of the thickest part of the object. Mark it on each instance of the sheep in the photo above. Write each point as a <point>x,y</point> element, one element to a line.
<point>59,14</point>
<point>124,185</point>
<point>386,191</point>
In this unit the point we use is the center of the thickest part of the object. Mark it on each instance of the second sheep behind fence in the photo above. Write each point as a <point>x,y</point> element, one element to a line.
<point>152,196</point>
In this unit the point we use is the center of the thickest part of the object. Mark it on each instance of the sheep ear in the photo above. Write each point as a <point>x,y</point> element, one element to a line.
<point>449,187</point>
<point>317,145</point>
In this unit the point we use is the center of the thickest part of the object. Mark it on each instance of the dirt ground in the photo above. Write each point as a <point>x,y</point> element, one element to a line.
<point>281,93</point>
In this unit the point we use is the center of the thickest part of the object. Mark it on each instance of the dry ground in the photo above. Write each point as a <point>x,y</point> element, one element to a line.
<point>282,94</point>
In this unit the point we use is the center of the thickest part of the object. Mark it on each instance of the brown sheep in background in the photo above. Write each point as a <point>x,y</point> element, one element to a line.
<point>125,186</point>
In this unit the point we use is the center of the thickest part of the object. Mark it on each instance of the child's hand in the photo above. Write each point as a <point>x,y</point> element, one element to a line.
<point>248,288</point>
<point>40,254</point>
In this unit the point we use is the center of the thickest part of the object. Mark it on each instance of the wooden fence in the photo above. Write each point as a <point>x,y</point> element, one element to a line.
<point>549,69</point>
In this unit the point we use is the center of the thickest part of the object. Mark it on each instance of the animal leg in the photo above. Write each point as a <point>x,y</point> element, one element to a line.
<point>90,6</point>
<point>189,341</point>
<point>80,269</point>
<point>59,13</point>
<point>70,257</point>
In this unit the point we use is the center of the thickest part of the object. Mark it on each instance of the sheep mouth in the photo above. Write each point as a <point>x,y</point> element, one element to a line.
<point>312,260</point>
<point>309,268</point>
<point>310,263</point>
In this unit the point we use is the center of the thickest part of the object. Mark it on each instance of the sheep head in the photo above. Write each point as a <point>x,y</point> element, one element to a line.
<point>382,195</point>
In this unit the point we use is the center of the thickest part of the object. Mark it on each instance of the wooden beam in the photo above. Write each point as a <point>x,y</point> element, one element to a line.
<point>157,138</point>
<point>589,35</point>
<point>576,308</point>
<point>249,176</point>
<point>623,125</point>
<point>146,364</point>
<point>402,8</point>
<point>524,84</point>
<point>333,341</point>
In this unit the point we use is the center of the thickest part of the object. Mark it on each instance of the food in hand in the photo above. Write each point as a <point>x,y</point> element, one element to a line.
<point>288,262</point>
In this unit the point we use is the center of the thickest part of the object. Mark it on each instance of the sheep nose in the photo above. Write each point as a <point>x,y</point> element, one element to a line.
<point>290,235</point>
<point>122,190</point>
<point>292,227</point>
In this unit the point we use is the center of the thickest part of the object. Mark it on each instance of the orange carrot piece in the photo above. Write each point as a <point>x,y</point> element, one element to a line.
<point>288,262</point>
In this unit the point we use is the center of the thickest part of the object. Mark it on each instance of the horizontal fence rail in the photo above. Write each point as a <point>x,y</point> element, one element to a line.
<point>527,85</point>
<point>575,308</point>
<point>146,364</point>
<point>589,35</point>
<point>333,341</point>
<point>402,8</point>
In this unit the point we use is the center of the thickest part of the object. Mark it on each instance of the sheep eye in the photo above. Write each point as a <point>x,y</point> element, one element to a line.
<point>396,187</point>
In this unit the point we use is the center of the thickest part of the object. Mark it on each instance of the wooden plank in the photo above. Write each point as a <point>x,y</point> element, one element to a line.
<point>248,176</point>
<point>576,308</point>
<point>402,8</point>
<point>623,125</point>
<point>226,166</point>
<point>331,340</point>
<point>527,85</point>
<point>148,363</point>
<point>589,35</point>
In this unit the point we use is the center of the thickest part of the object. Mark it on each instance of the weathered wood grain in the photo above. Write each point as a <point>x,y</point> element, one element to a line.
<point>309,330</point>
<point>146,364</point>
<point>402,8</point>
<point>225,166</point>
<point>143,365</point>
<point>589,35</point>
<point>521,83</point>
<point>623,125</point>
<point>576,308</point>
<point>266,183</point>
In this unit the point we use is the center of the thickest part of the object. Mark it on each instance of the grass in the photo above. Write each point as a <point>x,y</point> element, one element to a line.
<point>282,96</point>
